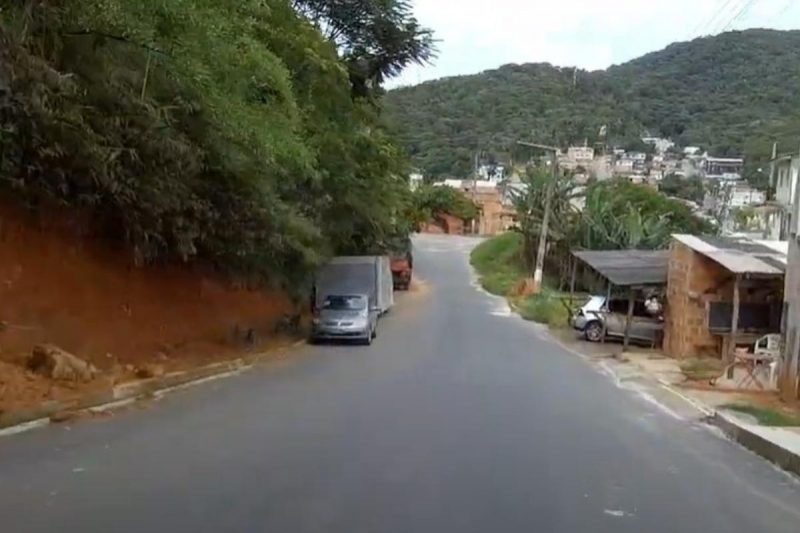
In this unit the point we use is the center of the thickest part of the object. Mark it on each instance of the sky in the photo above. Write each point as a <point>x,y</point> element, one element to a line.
<point>476,35</point>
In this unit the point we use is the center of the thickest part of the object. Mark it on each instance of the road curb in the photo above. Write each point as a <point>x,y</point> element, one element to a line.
<point>25,419</point>
<point>776,454</point>
<point>780,456</point>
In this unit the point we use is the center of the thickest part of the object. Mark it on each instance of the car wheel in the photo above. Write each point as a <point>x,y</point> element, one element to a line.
<point>375,333</point>
<point>593,332</point>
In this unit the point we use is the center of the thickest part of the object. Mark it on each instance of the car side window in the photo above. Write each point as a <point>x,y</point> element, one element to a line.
<point>640,310</point>
<point>618,306</point>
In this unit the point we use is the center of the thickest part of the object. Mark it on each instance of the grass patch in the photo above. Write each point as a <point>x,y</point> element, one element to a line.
<point>703,368</point>
<point>548,307</point>
<point>765,415</point>
<point>498,262</point>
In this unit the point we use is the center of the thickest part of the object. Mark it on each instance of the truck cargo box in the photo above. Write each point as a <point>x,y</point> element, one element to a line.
<point>369,274</point>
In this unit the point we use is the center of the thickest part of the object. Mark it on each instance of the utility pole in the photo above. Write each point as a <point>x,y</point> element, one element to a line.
<point>475,186</point>
<point>538,273</point>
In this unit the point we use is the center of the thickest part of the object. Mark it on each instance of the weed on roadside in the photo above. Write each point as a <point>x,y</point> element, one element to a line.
<point>766,416</point>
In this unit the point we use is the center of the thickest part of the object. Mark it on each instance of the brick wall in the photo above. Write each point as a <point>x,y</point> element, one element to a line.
<point>444,223</point>
<point>693,280</point>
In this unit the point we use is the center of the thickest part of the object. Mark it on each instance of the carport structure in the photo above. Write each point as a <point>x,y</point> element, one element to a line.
<point>631,270</point>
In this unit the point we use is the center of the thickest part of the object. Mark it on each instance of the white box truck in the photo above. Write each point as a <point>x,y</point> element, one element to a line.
<point>370,275</point>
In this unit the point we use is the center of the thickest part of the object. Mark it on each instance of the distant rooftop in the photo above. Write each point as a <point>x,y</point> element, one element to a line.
<point>725,159</point>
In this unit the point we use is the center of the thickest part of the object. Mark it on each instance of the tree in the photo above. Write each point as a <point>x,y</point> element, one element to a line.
<point>529,203</point>
<point>428,201</point>
<point>222,132</point>
<point>689,188</point>
<point>622,215</point>
<point>377,39</point>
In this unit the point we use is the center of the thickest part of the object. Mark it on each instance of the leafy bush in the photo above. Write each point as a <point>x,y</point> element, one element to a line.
<point>429,200</point>
<point>546,307</point>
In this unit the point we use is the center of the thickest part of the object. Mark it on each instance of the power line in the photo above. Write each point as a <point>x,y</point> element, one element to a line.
<point>781,12</point>
<point>709,21</point>
<point>745,8</point>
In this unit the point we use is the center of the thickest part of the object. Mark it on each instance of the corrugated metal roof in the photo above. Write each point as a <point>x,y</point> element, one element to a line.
<point>627,268</point>
<point>739,255</point>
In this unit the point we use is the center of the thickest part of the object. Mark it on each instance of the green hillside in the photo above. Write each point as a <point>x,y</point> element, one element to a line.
<point>734,93</point>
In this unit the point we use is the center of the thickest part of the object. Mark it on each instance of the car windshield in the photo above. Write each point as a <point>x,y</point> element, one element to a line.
<point>595,303</point>
<point>345,303</point>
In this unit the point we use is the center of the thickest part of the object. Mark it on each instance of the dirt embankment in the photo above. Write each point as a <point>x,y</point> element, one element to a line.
<point>58,286</point>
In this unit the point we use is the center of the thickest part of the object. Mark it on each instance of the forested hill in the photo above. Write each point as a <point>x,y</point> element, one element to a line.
<point>734,93</point>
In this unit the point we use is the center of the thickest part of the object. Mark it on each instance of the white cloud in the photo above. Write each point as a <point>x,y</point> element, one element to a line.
<point>476,35</point>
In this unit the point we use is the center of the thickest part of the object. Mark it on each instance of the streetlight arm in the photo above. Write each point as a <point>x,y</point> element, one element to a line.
<point>542,146</point>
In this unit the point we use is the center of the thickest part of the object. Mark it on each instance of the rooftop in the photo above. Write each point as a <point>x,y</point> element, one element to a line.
<point>628,268</point>
<point>740,255</point>
<point>725,159</point>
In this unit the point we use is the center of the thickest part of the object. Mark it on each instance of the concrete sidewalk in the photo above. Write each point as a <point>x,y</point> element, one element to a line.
<point>780,445</point>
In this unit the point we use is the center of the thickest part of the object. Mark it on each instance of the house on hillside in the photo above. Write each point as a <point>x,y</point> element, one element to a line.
<point>577,157</point>
<point>691,150</point>
<point>723,168</point>
<point>623,167</point>
<point>733,196</point>
<point>661,145</point>
<point>580,154</point>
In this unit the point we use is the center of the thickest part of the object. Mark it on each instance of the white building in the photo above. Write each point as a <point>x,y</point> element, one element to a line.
<point>661,145</point>
<point>783,178</point>
<point>493,173</point>
<point>743,195</point>
<point>624,166</point>
<point>723,168</point>
<point>580,154</point>
<point>691,150</point>
<point>733,196</point>
<point>415,180</point>
<point>468,185</point>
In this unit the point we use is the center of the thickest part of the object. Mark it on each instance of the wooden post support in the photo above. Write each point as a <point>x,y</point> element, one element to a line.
<point>731,353</point>
<point>607,308</point>
<point>631,300</point>
<point>572,282</point>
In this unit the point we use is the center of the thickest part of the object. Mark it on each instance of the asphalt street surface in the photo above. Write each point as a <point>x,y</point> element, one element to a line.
<point>459,418</point>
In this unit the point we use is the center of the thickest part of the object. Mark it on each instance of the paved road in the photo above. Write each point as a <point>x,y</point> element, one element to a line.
<point>459,418</point>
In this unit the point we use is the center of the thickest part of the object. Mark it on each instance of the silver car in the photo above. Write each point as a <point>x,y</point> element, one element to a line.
<point>598,315</point>
<point>345,317</point>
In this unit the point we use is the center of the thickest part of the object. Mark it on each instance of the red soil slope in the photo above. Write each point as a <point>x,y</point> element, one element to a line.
<point>77,293</point>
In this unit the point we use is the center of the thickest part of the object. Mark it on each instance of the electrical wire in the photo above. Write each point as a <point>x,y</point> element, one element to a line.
<point>781,12</point>
<point>743,11</point>
<point>714,16</point>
